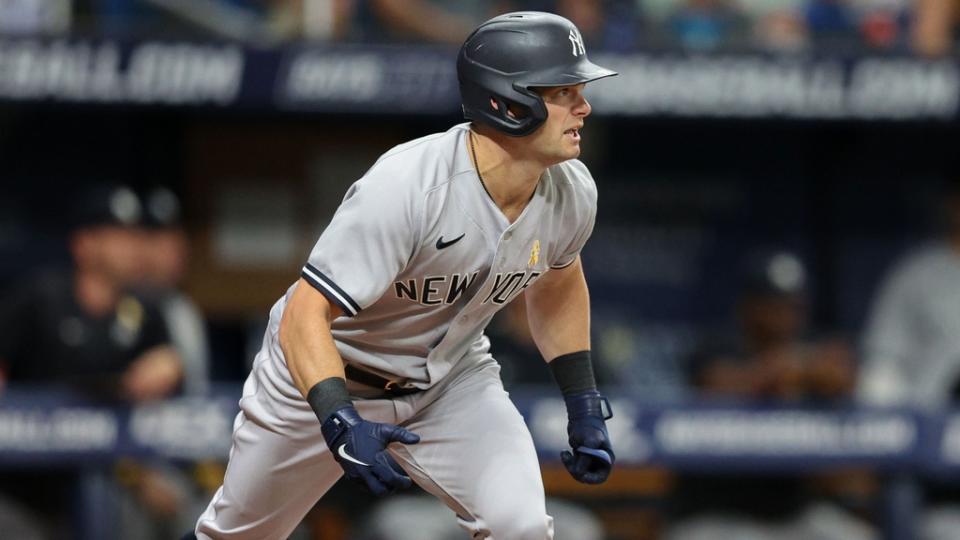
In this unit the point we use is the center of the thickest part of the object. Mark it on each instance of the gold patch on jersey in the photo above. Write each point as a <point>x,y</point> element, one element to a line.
<point>534,254</point>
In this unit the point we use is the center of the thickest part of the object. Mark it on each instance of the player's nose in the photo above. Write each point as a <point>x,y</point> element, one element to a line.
<point>582,108</point>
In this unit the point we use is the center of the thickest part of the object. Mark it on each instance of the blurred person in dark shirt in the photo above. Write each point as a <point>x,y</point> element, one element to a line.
<point>84,329</point>
<point>770,358</point>
<point>166,256</point>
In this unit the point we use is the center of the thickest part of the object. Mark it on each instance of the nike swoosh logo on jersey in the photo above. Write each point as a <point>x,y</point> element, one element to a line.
<point>343,453</point>
<point>441,244</point>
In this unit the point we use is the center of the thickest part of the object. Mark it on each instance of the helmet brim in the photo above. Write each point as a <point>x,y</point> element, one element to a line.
<point>582,72</point>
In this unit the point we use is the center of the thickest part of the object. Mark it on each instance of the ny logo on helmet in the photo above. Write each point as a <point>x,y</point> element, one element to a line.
<point>577,42</point>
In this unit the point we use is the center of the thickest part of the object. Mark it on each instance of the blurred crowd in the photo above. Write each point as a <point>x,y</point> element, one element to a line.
<point>926,27</point>
<point>114,328</point>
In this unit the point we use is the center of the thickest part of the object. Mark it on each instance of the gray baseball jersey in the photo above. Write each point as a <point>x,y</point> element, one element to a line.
<point>420,257</point>
<point>911,344</point>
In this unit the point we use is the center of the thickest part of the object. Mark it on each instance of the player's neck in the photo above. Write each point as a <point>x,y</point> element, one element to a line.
<point>96,294</point>
<point>510,178</point>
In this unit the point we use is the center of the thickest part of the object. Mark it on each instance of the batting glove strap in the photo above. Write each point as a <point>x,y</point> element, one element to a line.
<point>360,447</point>
<point>588,404</point>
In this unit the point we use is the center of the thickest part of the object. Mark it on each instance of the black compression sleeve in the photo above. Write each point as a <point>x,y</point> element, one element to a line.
<point>574,372</point>
<point>328,396</point>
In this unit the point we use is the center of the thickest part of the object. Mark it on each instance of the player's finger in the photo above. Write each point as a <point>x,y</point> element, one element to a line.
<point>373,483</point>
<point>597,453</point>
<point>400,435</point>
<point>595,470</point>
<point>384,470</point>
<point>394,465</point>
<point>597,477</point>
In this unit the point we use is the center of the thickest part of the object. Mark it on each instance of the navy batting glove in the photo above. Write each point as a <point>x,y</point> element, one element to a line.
<point>592,457</point>
<point>360,447</point>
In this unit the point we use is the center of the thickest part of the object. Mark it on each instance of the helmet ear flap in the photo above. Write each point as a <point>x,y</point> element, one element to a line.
<point>523,116</point>
<point>529,111</point>
<point>535,108</point>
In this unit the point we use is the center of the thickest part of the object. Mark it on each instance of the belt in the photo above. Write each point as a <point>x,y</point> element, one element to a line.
<point>390,387</point>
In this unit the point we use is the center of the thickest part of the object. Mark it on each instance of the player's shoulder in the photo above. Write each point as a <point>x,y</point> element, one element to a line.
<point>421,163</point>
<point>574,177</point>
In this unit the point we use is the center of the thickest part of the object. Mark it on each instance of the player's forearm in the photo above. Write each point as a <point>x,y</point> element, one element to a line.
<point>558,310</point>
<point>306,340</point>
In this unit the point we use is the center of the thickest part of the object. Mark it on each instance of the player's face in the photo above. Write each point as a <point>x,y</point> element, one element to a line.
<point>559,137</point>
<point>166,256</point>
<point>114,252</point>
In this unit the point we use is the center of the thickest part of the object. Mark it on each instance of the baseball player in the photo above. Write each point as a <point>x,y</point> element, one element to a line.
<point>381,339</point>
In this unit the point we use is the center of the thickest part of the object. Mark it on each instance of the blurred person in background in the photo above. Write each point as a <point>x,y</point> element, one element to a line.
<point>166,256</point>
<point>34,16</point>
<point>326,20</point>
<point>706,24</point>
<point>165,252</point>
<point>911,344</point>
<point>911,347</point>
<point>935,25</point>
<point>770,358</point>
<point>435,21</point>
<point>776,25</point>
<point>884,24</point>
<point>830,22</point>
<point>87,330</point>
<point>610,25</point>
<point>85,327</point>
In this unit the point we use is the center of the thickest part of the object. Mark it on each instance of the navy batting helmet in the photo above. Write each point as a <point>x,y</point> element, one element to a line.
<point>508,55</point>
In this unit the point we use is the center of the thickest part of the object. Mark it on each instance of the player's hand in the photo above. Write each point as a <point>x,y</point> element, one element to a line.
<point>360,447</point>
<point>591,458</point>
<point>153,375</point>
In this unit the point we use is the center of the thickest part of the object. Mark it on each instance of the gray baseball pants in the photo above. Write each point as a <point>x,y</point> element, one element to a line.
<point>475,454</point>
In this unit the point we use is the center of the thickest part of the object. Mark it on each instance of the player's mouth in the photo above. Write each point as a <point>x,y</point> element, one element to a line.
<point>574,133</point>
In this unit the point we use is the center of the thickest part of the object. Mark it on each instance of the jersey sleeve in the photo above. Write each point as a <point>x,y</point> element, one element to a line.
<point>580,215</point>
<point>370,240</point>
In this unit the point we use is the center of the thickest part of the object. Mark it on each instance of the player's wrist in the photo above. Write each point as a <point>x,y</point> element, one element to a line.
<point>338,423</point>
<point>590,404</point>
<point>328,397</point>
<point>573,373</point>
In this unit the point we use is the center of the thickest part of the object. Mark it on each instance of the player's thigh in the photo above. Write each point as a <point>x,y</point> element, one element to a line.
<point>271,482</point>
<point>477,455</point>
